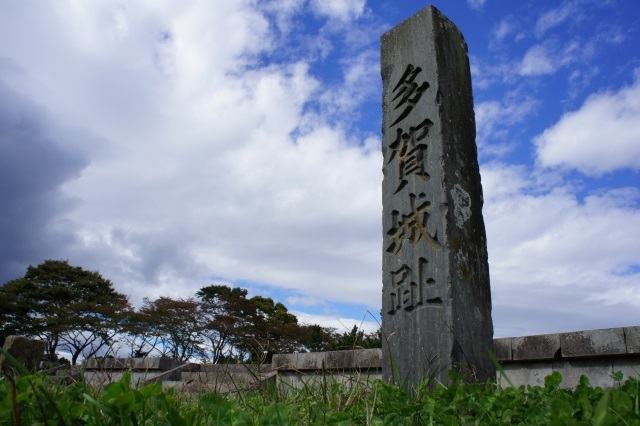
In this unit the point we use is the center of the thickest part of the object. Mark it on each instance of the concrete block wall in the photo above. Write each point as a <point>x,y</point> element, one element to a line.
<point>596,354</point>
<point>348,367</point>
<point>524,361</point>
<point>527,360</point>
<point>224,378</point>
<point>99,372</point>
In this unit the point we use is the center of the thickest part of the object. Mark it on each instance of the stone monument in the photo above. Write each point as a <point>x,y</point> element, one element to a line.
<point>436,298</point>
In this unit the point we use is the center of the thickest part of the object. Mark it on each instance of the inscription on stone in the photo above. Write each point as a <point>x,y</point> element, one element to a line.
<point>412,290</point>
<point>411,227</point>
<point>433,232</point>
<point>408,93</point>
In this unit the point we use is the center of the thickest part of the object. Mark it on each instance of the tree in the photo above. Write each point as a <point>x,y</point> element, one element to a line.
<point>12,316</point>
<point>317,338</point>
<point>251,329</point>
<point>68,307</point>
<point>140,337</point>
<point>226,314</point>
<point>276,329</point>
<point>356,339</point>
<point>177,323</point>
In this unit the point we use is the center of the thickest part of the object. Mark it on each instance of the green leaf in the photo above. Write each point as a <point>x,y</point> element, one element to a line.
<point>617,376</point>
<point>621,403</point>
<point>601,412</point>
<point>552,381</point>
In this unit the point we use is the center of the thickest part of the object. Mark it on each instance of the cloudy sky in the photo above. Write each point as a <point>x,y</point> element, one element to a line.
<point>174,144</point>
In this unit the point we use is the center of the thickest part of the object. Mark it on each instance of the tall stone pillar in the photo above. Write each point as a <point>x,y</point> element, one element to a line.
<point>436,298</point>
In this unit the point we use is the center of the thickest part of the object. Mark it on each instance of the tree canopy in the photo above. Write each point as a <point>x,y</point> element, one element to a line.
<point>249,328</point>
<point>79,311</point>
<point>68,307</point>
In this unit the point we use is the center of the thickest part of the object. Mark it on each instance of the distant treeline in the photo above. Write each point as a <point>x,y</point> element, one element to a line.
<point>80,312</point>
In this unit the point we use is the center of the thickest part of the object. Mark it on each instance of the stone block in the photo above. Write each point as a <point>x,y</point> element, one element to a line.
<point>284,361</point>
<point>593,343</point>
<point>28,352</point>
<point>236,368</point>
<point>597,370</point>
<point>162,364</point>
<point>221,377</point>
<point>541,347</point>
<point>525,374</point>
<point>502,349</point>
<point>632,339</point>
<point>359,359</point>
<point>630,367</point>
<point>226,380</point>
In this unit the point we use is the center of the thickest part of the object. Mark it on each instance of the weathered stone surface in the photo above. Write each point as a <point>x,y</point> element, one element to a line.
<point>546,346</point>
<point>629,367</point>
<point>632,339</point>
<point>598,372</point>
<point>532,374</point>
<point>333,360</point>
<point>162,364</point>
<point>236,368</point>
<point>593,343</point>
<point>502,349</point>
<point>436,299</point>
<point>28,352</point>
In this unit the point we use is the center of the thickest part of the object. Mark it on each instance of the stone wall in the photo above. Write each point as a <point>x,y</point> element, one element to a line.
<point>524,361</point>
<point>348,367</point>
<point>596,354</point>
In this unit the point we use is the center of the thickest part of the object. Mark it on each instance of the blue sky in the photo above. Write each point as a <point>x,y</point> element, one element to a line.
<point>171,145</point>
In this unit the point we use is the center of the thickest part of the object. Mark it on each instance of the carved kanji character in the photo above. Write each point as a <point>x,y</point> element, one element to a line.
<point>410,152</point>
<point>408,92</point>
<point>411,227</point>
<point>409,291</point>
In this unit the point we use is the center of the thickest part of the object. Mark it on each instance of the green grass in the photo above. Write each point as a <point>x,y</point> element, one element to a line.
<point>29,399</point>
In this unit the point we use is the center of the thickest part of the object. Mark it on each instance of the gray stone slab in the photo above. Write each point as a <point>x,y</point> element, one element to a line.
<point>598,371</point>
<point>629,367</point>
<point>332,360</point>
<point>592,343</point>
<point>162,364</point>
<point>311,379</point>
<point>284,361</point>
<point>632,339</point>
<point>541,347</point>
<point>502,349</point>
<point>532,374</point>
<point>358,359</point>
<point>209,377</point>
<point>436,298</point>
<point>236,368</point>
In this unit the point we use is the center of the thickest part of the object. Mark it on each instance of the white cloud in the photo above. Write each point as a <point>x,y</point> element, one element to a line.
<point>502,30</point>
<point>342,10</point>
<point>537,61</point>
<point>495,119</point>
<point>208,165</point>
<point>476,4</point>
<point>212,166</point>
<point>361,79</point>
<point>544,59</point>
<point>555,17</point>
<point>550,252</point>
<point>602,136</point>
